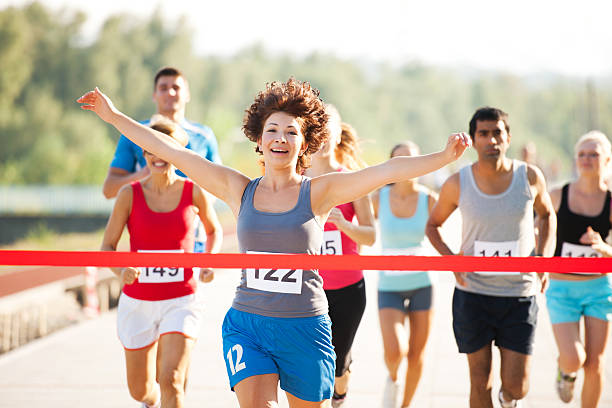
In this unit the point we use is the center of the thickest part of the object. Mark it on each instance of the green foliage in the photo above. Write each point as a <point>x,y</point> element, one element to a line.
<point>45,65</point>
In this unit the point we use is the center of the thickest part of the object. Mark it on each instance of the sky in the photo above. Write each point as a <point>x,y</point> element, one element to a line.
<point>518,36</point>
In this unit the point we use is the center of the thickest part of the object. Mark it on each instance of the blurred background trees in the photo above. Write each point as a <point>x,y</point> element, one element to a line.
<point>45,65</point>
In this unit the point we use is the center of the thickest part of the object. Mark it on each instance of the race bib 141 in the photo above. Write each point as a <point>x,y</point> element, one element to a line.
<point>500,249</point>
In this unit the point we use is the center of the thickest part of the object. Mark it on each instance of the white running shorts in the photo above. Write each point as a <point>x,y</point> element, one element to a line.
<point>140,323</point>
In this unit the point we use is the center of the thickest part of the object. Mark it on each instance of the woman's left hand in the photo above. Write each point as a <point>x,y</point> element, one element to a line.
<point>456,145</point>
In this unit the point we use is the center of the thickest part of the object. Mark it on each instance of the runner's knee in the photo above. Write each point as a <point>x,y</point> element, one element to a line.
<point>172,380</point>
<point>140,390</point>
<point>516,388</point>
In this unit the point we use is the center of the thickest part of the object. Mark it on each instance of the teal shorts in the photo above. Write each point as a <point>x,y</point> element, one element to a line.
<point>568,300</point>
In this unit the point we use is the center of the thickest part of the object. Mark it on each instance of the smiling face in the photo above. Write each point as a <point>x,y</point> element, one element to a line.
<point>157,165</point>
<point>173,131</point>
<point>281,141</point>
<point>491,140</point>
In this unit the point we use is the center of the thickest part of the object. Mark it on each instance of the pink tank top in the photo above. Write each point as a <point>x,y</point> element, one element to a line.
<point>164,232</point>
<point>333,240</point>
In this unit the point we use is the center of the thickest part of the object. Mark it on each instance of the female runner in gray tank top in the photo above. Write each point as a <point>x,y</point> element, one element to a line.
<point>277,328</point>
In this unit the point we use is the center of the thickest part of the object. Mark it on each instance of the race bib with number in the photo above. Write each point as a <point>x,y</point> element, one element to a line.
<point>579,251</point>
<point>332,243</point>
<point>157,274</point>
<point>501,249</point>
<point>274,280</point>
<point>412,251</point>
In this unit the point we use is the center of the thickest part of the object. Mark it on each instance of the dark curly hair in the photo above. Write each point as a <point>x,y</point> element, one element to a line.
<point>297,99</point>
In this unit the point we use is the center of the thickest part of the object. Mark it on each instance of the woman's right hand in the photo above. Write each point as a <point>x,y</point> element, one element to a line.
<point>99,103</point>
<point>129,275</point>
<point>593,238</point>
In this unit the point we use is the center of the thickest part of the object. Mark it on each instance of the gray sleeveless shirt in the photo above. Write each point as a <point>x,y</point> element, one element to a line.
<point>498,225</point>
<point>280,292</point>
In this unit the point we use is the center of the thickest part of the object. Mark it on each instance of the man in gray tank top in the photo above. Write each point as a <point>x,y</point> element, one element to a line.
<point>497,197</point>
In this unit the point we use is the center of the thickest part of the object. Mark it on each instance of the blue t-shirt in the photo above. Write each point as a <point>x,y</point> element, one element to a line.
<point>129,157</point>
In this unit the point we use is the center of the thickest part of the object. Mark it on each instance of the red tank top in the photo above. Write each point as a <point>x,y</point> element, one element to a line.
<point>162,231</point>
<point>344,278</point>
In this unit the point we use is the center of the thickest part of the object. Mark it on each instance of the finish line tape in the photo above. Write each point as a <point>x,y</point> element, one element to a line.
<point>304,261</point>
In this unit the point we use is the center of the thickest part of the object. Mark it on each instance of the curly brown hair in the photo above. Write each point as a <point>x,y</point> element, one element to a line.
<point>298,99</point>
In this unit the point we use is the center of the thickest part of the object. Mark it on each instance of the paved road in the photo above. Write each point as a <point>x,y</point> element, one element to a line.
<point>83,365</point>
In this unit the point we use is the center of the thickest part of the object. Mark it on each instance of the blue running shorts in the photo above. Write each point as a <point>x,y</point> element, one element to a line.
<point>568,300</point>
<point>299,350</point>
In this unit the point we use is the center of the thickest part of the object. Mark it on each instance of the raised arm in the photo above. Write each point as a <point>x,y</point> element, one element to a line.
<point>333,189</point>
<point>223,182</point>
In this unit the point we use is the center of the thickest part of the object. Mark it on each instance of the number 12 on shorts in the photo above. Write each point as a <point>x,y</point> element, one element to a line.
<point>239,365</point>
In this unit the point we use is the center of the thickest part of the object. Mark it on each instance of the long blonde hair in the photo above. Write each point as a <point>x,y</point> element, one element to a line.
<point>595,136</point>
<point>348,152</point>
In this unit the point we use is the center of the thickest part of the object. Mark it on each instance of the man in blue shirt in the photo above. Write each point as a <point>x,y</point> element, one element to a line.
<point>170,94</point>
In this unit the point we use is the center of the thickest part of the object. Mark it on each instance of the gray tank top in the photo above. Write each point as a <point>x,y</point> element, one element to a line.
<point>280,292</point>
<point>498,225</point>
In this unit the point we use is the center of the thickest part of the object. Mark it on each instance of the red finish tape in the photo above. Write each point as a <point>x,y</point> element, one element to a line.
<point>304,261</point>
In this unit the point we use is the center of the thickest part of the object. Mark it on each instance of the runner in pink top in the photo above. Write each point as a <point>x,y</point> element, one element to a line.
<point>340,279</point>
<point>345,289</point>
<point>159,313</point>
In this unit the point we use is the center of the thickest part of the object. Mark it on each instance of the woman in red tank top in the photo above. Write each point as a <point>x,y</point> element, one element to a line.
<point>345,290</point>
<point>159,312</point>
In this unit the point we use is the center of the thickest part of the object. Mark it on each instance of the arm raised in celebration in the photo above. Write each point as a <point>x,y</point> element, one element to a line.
<point>223,182</point>
<point>332,189</point>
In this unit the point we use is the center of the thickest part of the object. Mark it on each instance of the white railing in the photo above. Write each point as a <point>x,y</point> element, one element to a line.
<point>43,199</point>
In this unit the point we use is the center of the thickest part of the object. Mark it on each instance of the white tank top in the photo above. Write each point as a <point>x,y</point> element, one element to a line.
<point>498,225</point>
